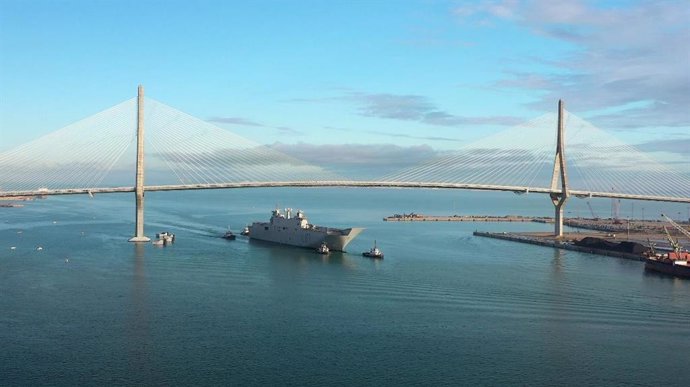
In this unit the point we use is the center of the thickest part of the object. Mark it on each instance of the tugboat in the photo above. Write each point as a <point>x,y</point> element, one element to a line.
<point>245,231</point>
<point>676,262</point>
<point>323,249</point>
<point>229,236</point>
<point>374,252</point>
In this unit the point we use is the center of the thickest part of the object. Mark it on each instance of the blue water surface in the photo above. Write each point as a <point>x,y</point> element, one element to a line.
<point>443,308</point>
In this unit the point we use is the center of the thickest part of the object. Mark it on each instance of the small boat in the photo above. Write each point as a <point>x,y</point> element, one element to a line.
<point>323,249</point>
<point>245,231</point>
<point>164,238</point>
<point>374,252</point>
<point>229,236</point>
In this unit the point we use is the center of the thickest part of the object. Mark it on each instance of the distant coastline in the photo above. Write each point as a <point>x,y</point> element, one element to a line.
<point>17,198</point>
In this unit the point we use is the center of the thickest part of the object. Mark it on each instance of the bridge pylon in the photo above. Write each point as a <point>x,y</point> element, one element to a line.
<point>559,172</point>
<point>139,187</point>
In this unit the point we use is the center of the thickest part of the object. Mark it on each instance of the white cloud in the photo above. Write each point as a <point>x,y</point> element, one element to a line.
<point>624,54</point>
<point>357,154</point>
<point>418,108</point>
<point>234,121</point>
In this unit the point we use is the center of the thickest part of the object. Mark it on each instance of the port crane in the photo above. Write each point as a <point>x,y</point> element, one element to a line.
<point>675,245</point>
<point>677,226</point>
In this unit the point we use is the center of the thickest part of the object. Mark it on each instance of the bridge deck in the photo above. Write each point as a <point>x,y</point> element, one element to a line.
<point>361,184</point>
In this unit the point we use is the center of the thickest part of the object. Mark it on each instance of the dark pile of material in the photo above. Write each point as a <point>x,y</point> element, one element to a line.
<point>623,247</point>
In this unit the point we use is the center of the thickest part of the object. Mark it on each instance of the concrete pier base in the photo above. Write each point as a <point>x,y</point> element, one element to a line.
<point>558,217</point>
<point>140,239</point>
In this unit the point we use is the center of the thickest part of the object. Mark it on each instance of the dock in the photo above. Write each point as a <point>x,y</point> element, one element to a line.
<point>412,217</point>
<point>630,227</point>
<point>567,243</point>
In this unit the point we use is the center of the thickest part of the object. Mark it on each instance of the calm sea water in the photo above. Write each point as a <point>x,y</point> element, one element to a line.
<point>443,308</point>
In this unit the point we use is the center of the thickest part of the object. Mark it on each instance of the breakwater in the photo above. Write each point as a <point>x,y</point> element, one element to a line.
<point>412,217</point>
<point>550,241</point>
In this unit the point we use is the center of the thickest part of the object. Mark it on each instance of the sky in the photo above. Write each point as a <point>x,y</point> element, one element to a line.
<point>351,77</point>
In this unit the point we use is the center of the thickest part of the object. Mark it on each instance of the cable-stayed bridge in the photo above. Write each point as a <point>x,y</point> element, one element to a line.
<point>125,146</point>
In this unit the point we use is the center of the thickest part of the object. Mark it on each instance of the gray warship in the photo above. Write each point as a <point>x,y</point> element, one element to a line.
<point>296,231</point>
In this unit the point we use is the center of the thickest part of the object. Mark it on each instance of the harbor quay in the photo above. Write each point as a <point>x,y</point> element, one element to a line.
<point>633,245</point>
<point>413,217</point>
<point>652,228</point>
<point>622,238</point>
<point>568,242</point>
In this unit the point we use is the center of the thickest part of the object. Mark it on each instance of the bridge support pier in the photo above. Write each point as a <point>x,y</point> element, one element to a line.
<point>559,172</point>
<point>558,203</point>
<point>139,187</point>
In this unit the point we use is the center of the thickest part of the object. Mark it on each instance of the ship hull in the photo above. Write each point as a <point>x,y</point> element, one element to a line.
<point>667,268</point>
<point>336,239</point>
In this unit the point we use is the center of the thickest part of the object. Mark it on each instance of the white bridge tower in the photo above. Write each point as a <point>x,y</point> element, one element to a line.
<point>139,187</point>
<point>559,172</point>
